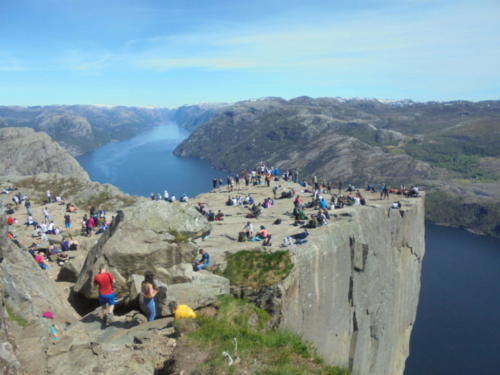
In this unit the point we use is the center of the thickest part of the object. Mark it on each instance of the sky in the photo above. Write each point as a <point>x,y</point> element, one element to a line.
<point>169,53</point>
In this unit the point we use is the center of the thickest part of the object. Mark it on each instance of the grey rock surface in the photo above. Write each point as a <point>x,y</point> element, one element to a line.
<point>355,286</point>
<point>26,152</point>
<point>68,273</point>
<point>26,292</point>
<point>151,235</point>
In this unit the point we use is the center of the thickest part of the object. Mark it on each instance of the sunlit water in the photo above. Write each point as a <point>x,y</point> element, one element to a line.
<point>145,164</point>
<point>458,321</point>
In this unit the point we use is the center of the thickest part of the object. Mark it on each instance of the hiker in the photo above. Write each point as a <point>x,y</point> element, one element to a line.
<point>27,206</point>
<point>219,216</point>
<point>384,193</point>
<point>49,196</point>
<point>204,261</point>
<point>67,222</point>
<point>46,215</point>
<point>299,238</point>
<point>149,290</point>
<point>248,229</point>
<point>105,280</point>
<point>40,260</point>
<point>181,311</point>
<point>70,208</point>
<point>215,182</point>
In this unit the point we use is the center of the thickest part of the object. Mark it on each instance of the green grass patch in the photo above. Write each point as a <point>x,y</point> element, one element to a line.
<point>18,319</point>
<point>106,200</point>
<point>65,187</point>
<point>257,268</point>
<point>261,350</point>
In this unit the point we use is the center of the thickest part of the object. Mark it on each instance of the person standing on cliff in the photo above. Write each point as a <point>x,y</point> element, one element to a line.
<point>105,281</point>
<point>149,290</point>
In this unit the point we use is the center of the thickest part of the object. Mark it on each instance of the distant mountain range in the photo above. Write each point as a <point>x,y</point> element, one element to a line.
<point>451,148</point>
<point>83,128</point>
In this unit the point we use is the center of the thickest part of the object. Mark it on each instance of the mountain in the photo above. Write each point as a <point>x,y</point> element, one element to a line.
<point>26,152</point>
<point>191,116</point>
<point>83,128</point>
<point>452,148</point>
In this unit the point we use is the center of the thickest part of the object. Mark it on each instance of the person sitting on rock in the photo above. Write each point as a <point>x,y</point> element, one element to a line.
<point>248,230</point>
<point>219,216</point>
<point>203,262</point>
<point>211,215</point>
<point>181,311</point>
<point>149,289</point>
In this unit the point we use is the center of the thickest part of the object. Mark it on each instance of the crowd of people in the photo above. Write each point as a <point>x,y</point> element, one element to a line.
<point>313,205</point>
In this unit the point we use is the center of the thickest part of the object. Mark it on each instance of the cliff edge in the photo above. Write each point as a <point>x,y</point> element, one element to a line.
<point>354,287</point>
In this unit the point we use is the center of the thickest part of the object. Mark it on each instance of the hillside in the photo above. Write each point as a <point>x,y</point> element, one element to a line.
<point>83,128</point>
<point>447,147</point>
<point>26,152</point>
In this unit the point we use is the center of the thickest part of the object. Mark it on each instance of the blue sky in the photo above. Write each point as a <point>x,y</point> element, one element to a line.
<point>169,53</point>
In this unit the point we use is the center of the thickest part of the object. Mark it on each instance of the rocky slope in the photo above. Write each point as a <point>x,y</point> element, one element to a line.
<point>26,152</point>
<point>450,147</point>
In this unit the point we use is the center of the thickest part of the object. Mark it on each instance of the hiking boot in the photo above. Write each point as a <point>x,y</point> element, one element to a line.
<point>109,318</point>
<point>104,321</point>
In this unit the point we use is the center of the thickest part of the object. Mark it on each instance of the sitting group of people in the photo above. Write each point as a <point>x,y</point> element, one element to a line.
<point>247,234</point>
<point>210,215</point>
<point>95,221</point>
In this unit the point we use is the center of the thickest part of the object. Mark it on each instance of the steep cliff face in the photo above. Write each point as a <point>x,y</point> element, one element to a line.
<point>355,287</point>
<point>26,152</point>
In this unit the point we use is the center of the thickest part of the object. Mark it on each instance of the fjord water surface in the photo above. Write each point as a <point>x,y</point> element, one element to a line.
<point>457,330</point>
<point>146,164</point>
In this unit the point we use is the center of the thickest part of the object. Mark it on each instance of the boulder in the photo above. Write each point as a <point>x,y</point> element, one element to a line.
<point>54,239</point>
<point>150,235</point>
<point>68,273</point>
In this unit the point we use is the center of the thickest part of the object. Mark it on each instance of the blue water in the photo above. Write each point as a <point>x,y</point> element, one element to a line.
<point>457,330</point>
<point>145,164</point>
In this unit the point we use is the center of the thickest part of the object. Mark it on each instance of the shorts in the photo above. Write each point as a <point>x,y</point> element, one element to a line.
<point>107,299</point>
<point>67,225</point>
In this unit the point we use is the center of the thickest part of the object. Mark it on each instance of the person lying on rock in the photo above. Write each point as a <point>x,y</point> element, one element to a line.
<point>105,281</point>
<point>181,311</point>
<point>203,262</point>
<point>149,289</point>
<point>40,260</point>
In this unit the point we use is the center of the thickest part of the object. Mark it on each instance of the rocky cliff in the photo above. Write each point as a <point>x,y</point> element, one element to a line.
<point>26,152</point>
<point>355,287</point>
